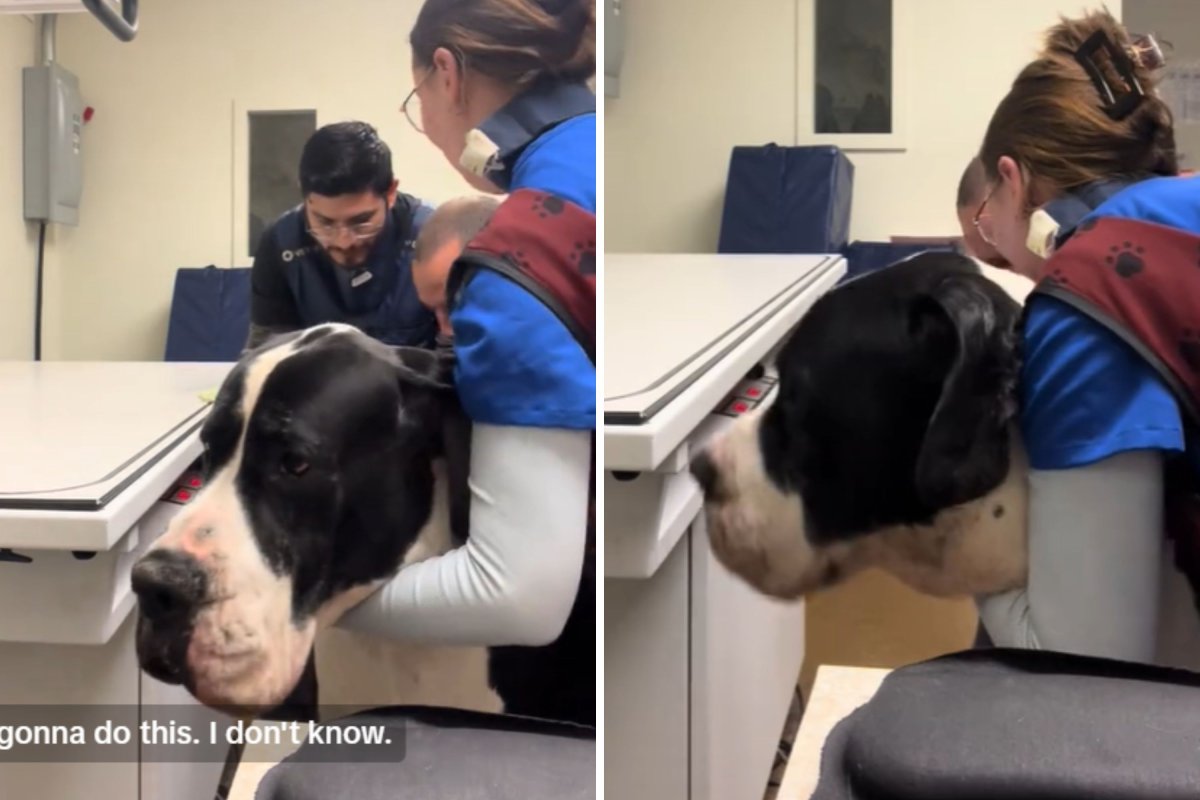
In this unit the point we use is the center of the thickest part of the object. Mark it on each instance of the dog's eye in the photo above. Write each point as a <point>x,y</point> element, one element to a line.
<point>294,464</point>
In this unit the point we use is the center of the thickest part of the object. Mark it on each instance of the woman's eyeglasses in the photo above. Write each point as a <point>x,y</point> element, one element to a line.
<point>411,107</point>
<point>983,222</point>
<point>407,106</point>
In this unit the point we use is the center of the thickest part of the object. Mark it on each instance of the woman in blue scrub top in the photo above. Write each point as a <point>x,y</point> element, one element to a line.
<point>1099,423</point>
<point>500,87</point>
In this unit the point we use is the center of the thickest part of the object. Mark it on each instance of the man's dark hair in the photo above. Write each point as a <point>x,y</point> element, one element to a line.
<point>971,184</point>
<point>345,158</point>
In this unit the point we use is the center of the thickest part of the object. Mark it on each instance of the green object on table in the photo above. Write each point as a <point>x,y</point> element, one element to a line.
<point>208,396</point>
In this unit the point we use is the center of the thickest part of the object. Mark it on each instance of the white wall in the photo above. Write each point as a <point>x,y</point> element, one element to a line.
<point>701,76</point>
<point>159,179</point>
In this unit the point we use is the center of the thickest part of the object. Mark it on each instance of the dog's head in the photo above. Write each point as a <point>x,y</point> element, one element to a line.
<point>319,456</point>
<point>895,398</point>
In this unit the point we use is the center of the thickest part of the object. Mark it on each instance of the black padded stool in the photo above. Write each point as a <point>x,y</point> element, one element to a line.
<point>1007,724</point>
<point>443,753</point>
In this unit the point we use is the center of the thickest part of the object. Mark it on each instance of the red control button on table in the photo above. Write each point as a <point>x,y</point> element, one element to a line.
<point>183,495</point>
<point>753,390</point>
<point>737,407</point>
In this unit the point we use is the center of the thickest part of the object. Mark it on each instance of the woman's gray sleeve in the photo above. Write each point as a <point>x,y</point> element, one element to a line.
<point>1095,558</point>
<point>515,580</point>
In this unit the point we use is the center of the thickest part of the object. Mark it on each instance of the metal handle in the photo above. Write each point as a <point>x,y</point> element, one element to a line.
<point>125,26</point>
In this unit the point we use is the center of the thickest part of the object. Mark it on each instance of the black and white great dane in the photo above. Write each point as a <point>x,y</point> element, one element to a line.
<point>890,441</point>
<point>331,460</point>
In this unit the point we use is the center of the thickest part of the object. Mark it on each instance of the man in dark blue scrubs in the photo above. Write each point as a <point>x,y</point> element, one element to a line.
<point>345,253</point>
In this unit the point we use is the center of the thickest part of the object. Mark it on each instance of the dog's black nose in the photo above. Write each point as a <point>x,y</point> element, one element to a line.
<point>705,472</point>
<point>169,585</point>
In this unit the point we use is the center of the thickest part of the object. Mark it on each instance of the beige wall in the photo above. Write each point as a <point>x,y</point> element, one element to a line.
<point>1178,22</point>
<point>159,185</point>
<point>18,240</point>
<point>701,76</point>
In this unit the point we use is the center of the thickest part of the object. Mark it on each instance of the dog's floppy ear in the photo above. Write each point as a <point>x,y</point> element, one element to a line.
<point>432,369</point>
<point>965,450</point>
<point>450,426</point>
<point>425,380</point>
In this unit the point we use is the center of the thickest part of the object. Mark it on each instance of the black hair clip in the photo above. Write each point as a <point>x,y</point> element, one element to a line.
<point>1116,107</point>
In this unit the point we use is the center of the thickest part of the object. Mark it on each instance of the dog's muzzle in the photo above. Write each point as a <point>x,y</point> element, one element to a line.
<point>171,587</point>
<point>704,470</point>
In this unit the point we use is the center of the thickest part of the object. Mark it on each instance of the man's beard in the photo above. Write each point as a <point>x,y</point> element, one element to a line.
<point>349,259</point>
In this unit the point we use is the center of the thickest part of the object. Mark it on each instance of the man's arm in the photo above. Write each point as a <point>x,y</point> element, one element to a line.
<point>272,308</point>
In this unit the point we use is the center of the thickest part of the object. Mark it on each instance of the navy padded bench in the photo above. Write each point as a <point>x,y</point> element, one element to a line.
<point>210,314</point>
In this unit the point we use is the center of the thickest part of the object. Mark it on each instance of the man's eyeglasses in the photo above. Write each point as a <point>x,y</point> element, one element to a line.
<point>325,232</point>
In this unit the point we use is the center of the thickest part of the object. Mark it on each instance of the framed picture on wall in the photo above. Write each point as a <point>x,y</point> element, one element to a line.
<point>852,73</point>
<point>267,142</point>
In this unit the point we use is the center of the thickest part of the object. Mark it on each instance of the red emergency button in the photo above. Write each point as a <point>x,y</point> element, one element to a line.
<point>194,483</point>
<point>183,495</point>
<point>740,407</point>
<point>753,391</point>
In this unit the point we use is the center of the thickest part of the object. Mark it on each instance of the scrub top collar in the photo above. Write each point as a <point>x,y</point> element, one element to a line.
<point>492,148</point>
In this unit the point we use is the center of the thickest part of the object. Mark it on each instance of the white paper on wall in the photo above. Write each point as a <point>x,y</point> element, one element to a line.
<point>1168,90</point>
<point>1180,90</point>
<point>1191,109</point>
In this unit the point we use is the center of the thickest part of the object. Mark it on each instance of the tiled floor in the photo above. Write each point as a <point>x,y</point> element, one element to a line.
<point>874,620</point>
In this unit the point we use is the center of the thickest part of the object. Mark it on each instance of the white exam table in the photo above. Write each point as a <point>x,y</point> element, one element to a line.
<point>699,670</point>
<point>95,459</point>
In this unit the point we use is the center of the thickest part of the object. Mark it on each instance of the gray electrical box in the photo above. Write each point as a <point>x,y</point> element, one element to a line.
<point>614,46</point>
<point>53,140</point>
